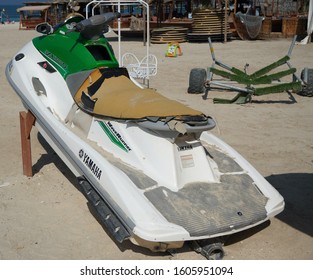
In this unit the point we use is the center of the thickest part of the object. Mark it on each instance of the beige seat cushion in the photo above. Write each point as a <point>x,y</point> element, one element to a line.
<point>119,97</point>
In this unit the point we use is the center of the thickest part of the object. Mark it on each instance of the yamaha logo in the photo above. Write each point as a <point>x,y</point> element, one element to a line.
<point>81,153</point>
<point>90,164</point>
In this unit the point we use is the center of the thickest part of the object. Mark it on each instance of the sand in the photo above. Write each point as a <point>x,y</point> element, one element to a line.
<point>46,217</point>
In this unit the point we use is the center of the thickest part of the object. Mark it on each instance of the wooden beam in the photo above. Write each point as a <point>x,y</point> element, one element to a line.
<point>225,21</point>
<point>27,120</point>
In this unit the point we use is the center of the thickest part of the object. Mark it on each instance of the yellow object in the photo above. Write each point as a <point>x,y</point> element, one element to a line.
<point>173,50</point>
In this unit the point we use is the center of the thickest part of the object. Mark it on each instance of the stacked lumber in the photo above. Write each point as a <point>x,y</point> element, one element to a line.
<point>208,23</point>
<point>169,34</point>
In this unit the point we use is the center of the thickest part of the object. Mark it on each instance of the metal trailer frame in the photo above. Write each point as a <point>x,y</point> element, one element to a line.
<point>259,77</point>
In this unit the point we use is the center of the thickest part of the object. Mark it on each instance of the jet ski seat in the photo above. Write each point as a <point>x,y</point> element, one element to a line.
<point>109,92</point>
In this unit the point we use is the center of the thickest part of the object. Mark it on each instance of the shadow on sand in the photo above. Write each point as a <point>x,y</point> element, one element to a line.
<point>297,190</point>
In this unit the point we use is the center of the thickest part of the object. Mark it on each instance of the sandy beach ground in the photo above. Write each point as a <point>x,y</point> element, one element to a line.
<point>46,217</point>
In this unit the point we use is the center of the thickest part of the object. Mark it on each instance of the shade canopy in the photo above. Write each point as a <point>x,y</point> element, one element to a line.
<point>33,8</point>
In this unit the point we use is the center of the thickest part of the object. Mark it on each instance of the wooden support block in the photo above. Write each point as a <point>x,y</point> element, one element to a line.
<point>27,120</point>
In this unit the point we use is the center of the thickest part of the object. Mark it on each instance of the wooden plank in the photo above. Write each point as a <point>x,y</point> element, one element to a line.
<point>27,120</point>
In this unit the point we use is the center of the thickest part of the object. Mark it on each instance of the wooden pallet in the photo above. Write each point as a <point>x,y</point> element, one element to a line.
<point>169,34</point>
<point>203,37</point>
<point>208,23</point>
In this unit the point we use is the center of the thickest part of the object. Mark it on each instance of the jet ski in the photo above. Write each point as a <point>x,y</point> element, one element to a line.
<point>150,166</point>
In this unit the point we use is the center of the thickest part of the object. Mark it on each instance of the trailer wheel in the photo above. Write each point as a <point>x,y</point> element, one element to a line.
<point>307,78</point>
<point>197,79</point>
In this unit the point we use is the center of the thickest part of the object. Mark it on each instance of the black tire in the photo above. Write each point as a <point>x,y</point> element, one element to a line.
<point>307,89</point>
<point>197,79</point>
<point>309,76</point>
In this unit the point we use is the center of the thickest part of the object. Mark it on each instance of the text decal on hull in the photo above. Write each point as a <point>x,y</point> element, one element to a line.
<point>114,136</point>
<point>90,164</point>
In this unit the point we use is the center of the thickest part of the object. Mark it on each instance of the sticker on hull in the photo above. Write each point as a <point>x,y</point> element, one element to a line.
<point>114,136</point>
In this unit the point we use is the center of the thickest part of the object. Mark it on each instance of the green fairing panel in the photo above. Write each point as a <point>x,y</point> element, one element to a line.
<point>70,53</point>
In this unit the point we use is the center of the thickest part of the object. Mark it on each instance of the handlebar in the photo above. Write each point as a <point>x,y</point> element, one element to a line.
<point>93,27</point>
